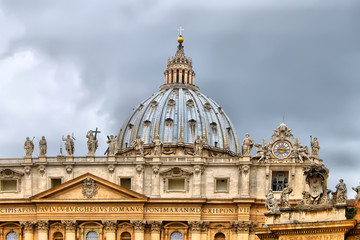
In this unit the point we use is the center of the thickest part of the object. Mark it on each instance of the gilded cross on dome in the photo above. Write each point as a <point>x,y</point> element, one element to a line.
<point>180,30</point>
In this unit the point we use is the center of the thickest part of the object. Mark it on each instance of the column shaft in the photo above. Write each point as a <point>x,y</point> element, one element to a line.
<point>43,235</point>
<point>70,235</point>
<point>110,236</point>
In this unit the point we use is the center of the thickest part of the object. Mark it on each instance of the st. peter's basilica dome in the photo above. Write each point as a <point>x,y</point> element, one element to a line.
<point>179,113</point>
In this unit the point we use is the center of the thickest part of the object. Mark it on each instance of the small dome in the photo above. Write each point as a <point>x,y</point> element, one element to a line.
<point>178,113</point>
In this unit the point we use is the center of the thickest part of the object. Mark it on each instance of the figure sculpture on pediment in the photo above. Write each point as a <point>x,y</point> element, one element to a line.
<point>300,153</point>
<point>42,146</point>
<point>69,145</point>
<point>198,145</point>
<point>315,147</point>
<point>341,192</point>
<point>92,143</point>
<point>157,146</point>
<point>284,199</point>
<point>138,145</point>
<point>357,190</point>
<point>29,147</point>
<point>112,145</point>
<point>248,144</point>
<point>271,203</point>
<point>262,153</point>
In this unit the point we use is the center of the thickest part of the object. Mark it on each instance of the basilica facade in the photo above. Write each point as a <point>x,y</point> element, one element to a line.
<point>175,171</point>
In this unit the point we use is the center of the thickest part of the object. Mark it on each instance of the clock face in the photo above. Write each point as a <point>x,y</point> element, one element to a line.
<point>281,149</point>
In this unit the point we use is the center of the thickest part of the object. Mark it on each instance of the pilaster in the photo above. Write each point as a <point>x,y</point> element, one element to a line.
<point>245,181</point>
<point>28,227</point>
<point>198,169</point>
<point>155,190</point>
<point>70,228</point>
<point>195,228</point>
<point>43,230</point>
<point>155,227</point>
<point>110,229</point>
<point>204,230</point>
<point>139,178</point>
<point>139,227</point>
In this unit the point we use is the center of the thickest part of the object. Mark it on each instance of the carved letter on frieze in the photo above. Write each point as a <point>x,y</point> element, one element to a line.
<point>70,225</point>
<point>90,188</point>
<point>43,225</point>
<point>28,225</point>
<point>139,225</point>
<point>109,226</point>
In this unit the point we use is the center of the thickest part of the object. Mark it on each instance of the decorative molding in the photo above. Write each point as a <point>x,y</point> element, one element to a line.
<point>205,226</point>
<point>198,169</point>
<point>43,225</point>
<point>111,168</point>
<point>89,188</point>
<point>155,226</point>
<point>109,225</point>
<point>27,170</point>
<point>139,169</point>
<point>69,168</point>
<point>42,169</point>
<point>58,226</point>
<point>245,169</point>
<point>139,225</point>
<point>155,169</point>
<point>28,225</point>
<point>195,226</point>
<point>242,226</point>
<point>9,173</point>
<point>70,225</point>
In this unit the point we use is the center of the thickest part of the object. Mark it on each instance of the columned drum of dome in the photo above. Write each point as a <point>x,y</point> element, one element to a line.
<point>179,113</point>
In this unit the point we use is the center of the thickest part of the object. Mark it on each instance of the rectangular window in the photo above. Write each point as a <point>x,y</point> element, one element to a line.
<point>125,183</point>
<point>55,182</point>
<point>8,185</point>
<point>279,179</point>
<point>221,185</point>
<point>176,184</point>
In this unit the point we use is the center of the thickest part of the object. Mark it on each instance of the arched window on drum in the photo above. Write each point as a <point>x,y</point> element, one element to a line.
<point>92,235</point>
<point>176,236</point>
<point>219,236</point>
<point>12,236</point>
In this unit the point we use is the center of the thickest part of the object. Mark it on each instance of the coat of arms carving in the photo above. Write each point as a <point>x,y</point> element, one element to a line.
<point>90,188</point>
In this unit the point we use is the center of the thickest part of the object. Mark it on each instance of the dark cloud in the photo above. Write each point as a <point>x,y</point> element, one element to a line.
<point>259,60</point>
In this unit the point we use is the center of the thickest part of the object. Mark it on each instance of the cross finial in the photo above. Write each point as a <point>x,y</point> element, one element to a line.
<point>180,30</point>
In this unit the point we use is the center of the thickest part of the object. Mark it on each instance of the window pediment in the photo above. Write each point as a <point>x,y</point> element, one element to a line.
<point>176,172</point>
<point>9,173</point>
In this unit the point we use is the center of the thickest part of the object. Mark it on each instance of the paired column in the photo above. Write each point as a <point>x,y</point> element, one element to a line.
<point>70,227</point>
<point>43,230</point>
<point>110,229</point>
<point>139,227</point>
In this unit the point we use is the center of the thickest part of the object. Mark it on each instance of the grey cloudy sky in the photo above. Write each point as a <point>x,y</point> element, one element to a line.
<point>70,66</point>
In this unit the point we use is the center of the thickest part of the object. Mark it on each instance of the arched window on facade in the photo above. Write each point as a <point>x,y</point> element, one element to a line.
<point>219,236</point>
<point>92,235</point>
<point>58,236</point>
<point>176,236</point>
<point>12,236</point>
<point>125,236</point>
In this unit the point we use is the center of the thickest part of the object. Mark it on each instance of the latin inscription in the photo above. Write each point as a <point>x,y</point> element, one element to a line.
<point>115,209</point>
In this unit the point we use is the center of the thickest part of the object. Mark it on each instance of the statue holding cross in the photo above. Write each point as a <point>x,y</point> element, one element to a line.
<point>92,142</point>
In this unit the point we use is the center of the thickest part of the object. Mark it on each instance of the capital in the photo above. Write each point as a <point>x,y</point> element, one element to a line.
<point>195,226</point>
<point>155,226</point>
<point>139,225</point>
<point>28,225</point>
<point>109,225</point>
<point>42,225</point>
<point>70,225</point>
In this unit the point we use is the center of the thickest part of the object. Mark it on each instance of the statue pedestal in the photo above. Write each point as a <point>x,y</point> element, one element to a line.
<point>42,159</point>
<point>156,159</point>
<point>111,159</point>
<point>27,159</point>
<point>90,159</point>
<point>69,158</point>
<point>197,159</point>
<point>139,158</point>
<point>244,159</point>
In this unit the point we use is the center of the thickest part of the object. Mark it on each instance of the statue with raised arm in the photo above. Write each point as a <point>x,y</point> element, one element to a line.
<point>315,147</point>
<point>284,199</point>
<point>271,203</point>
<point>92,143</point>
<point>138,145</point>
<point>112,145</point>
<point>42,146</point>
<point>248,144</point>
<point>341,192</point>
<point>29,147</point>
<point>69,145</point>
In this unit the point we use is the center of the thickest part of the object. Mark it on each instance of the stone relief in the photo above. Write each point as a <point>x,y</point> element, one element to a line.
<point>248,144</point>
<point>42,146</point>
<point>89,188</point>
<point>284,199</point>
<point>69,168</point>
<point>29,147</point>
<point>42,169</point>
<point>92,143</point>
<point>69,145</point>
<point>316,177</point>
<point>271,203</point>
<point>111,168</point>
<point>341,192</point>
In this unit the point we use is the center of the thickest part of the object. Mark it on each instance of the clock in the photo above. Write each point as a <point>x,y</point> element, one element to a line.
<point>281,149</point>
